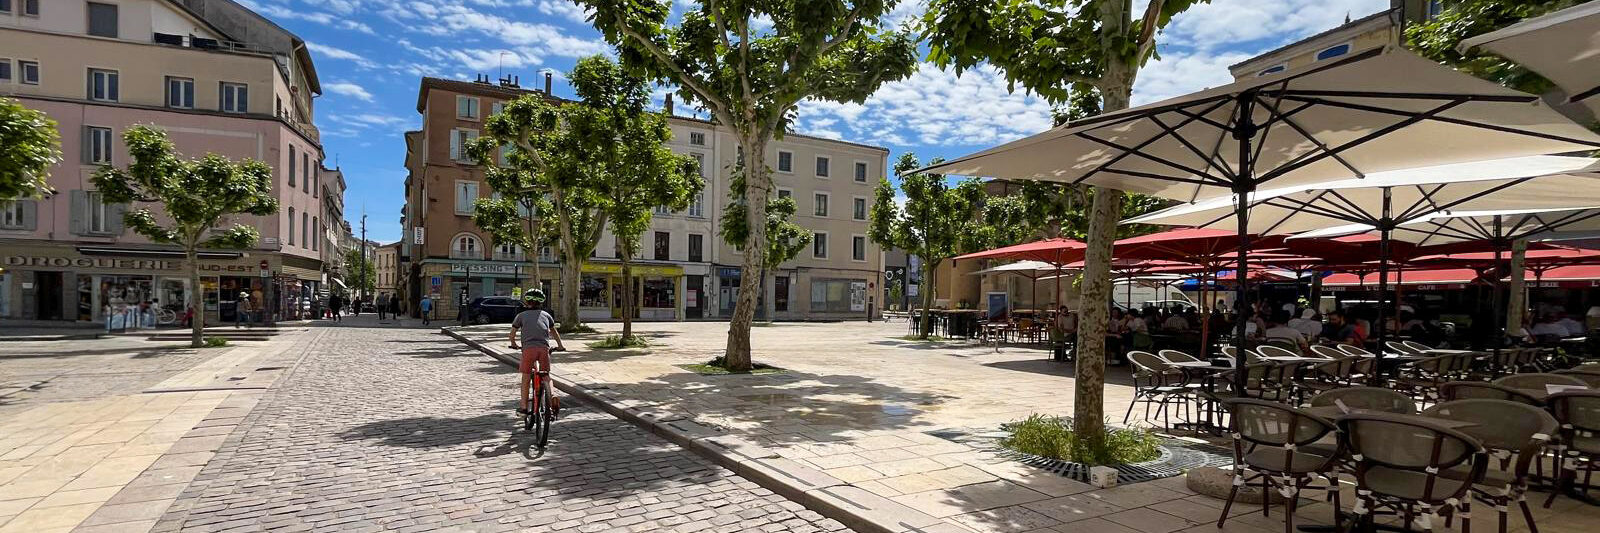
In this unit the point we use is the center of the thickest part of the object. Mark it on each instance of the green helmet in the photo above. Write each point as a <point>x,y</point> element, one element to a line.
<point>533,295</point>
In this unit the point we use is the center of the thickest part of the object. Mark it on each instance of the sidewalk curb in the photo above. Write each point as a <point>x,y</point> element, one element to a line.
<point>850,505</point>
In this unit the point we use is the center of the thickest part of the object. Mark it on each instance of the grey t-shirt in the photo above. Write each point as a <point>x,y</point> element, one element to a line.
<point>535,325</point>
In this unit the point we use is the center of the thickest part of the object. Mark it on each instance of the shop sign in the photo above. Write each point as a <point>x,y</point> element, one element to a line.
<point>436,281</point>
<point>858,296</point>
<point>727,272</point>
<point>638,270</point>
<point>484,268</point>
<point>416,235</point>
<point>111,263</point>
<point>691,298</point>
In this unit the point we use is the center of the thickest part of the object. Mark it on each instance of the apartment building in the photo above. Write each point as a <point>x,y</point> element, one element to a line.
<point>684,269</point>
<point>219,79</point>
<point>386,266</point>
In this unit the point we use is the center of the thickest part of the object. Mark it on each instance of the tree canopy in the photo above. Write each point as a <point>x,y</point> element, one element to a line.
<point>29,146</point>
<point>939,221</point>
<point>195,196</point>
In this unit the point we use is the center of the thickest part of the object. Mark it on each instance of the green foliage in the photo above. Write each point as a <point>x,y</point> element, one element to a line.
<point>575,328</point>
<point>29,146</point>
<point>719,367</point>
<point>1054,48</point>
<point>1053,437</point>
<point>216,342</point>
<point>613,342</point>
<point>360,275</point>
<point>939,221</point>
<point>1438,37</point>
<point>785,238</point>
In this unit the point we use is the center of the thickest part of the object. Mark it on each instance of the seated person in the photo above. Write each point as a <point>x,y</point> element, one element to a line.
<point>1337,330</point>
<point>1574,328</point>
<point>1176,322</point>
<point>1307,324</point>
<point>1277,328</point>
<point>1548,327</point>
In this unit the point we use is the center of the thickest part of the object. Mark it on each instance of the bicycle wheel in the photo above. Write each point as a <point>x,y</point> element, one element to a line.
<point>166,316</point>
<point>545,413</point>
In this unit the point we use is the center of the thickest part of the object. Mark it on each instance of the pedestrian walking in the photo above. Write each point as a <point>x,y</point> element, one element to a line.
<point>395,308</point>
<point>243,311</point>
<point>426,306</point>
<point>383,306</point>
<point>335,304</point>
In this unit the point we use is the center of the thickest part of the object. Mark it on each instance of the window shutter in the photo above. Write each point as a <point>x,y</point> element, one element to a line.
<point>114,214</point>
<point>80,209</point>
<point>455,145</point>
<point>88,146</point>
<point>30,214</point>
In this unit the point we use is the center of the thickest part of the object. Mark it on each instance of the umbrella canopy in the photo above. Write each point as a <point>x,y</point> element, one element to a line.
<point>1030,269</point>
<point>1497,227</point>
<point>1546,182</point>
<point>1563,46</point>
<point>1056,252</point>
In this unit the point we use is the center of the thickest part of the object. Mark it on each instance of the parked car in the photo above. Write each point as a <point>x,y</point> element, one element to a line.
<point>487,309</point>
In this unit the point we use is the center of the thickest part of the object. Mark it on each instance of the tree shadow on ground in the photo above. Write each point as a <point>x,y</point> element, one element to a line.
<point>135,353</point>
<point>1115,375</point>
<point>431,431</point>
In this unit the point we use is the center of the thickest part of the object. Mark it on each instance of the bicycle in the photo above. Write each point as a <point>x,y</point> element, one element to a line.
<point>539,418</point>
<point>166,316</point>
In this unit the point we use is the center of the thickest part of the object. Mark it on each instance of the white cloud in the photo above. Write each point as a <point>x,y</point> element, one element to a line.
<point>1177,74</point>
<point>1222,23</point>
<point>349,89</point>
<point>458,20</point>
<point>933,108</point>
<point>333,52</point>
<point>566,9</point>
<point>368,120</point>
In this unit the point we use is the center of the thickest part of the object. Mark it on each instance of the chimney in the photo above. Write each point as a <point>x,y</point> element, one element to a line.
<point>668,105</point>
<point>547,84</point>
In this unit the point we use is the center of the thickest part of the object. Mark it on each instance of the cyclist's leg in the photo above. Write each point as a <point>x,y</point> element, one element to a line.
<point>540,356</point>
<point>525,371</point>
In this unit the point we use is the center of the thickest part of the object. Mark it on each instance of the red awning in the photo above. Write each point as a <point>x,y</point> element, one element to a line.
<point>1053,251</point>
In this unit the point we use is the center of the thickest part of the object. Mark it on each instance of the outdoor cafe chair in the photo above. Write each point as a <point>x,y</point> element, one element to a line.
<point>1479,390</point>
<point>1284,344</point>
<point>1402,348</point>
<point>1232,353</point>
<point>1538,381</point>
<point>1174,356</point>
<point>1276,445</point>
<point>1327,352</point>
<point>1367,398</point>
<point>1509,431</point>
<point>1355,350</point>
<point>1590,377</point>
<point>1155,382</point>
<point>1421,378</point>
<point>1273,350</point>
<point>1416,346</point>
<point>1402,462</point>
<point>1578,448</point>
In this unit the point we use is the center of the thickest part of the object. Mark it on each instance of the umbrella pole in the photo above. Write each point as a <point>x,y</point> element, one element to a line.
<point>1383,279</point>
<point>1496,337</point>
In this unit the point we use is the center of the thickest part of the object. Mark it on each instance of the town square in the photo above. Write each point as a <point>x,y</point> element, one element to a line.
<point>1013,266</point>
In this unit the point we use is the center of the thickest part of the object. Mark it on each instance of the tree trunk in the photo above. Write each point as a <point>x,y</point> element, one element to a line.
<point>928,268</point>
<point>757,185</point>
<point>627,295</point>
<point>1516,297</point>
<point>1089,379</point>
<point>571,266</point>
<point>197,326</point>
<point>768,279</point>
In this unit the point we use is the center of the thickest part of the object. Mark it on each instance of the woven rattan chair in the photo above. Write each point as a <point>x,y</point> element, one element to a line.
<point>1513,432</point>
<point>1355,350</point>
<point>1273,445</point>
<point>1417,346</point>
<point>1403,462</point>
<point>1155,382</point>
<point>1579,445</point>
<point>1478,390</point>
<point>1327,352</point>
<point>1401,348</point>
<point>1274,350</point>
<point>1175,356</point>
<point>1367,398</point>
<point>1590,377</point>
<point>1232,353</point>
<point>1537,381</point>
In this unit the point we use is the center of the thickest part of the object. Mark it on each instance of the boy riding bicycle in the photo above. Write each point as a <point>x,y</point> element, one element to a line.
<point>537,327</point>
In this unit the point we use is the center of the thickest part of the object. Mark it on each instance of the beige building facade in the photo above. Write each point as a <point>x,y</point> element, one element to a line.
<point>97,69</point>
<point>685,270</point>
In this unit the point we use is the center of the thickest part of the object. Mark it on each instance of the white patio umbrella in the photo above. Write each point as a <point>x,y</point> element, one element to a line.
<point>1563,46</point>
<point>1033,270</point>
<point>1318,123</point>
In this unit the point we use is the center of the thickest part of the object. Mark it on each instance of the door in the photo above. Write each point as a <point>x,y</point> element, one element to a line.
<point>696,297</point>
<point>48,295</point>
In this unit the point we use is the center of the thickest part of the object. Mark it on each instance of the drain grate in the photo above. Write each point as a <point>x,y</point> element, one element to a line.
<point>1177,457</point>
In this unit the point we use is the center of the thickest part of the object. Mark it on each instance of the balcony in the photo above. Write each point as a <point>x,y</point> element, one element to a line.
<point>513,257</point>
<point>466,254</point>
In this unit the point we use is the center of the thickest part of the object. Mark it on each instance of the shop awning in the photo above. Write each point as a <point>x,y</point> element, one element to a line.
<point>163,254</point>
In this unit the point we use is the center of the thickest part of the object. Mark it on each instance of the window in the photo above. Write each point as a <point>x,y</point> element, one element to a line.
<point>699,162</point>
<point>821,201</point>
<point>663,245</point>
<point>29,71</point>
<point>96,145</point>
<point>11,213</point>
<point>831,295</point>
<point>305,171</point>
<point>662,210</point>
<point>496,108</point>
<point>1333,51</point>
<point>785,161</point>
<point>506,251</point>
<point>305,230</point>
<point>822,167</point>
<point>5,6</point>
<point>780,293</point>
<point>316,228</point>
<point>98,219</point>
<point>697,138</point>
<point>465,247</point>
<point>180,92</point>
<point>861,172</point>
<point>696,248</point>
<point>103,85</point>
<point>858,248</point>
<point>291,226</point>
<point>5,68</point>
<point>466,196</point>
<point>459,139</point>
<point>292,153</point>
<point>785,193</point>
<point>819,245</point>
<point>466,108</point>
<point>858,208</point>
<point>235,98</point>
<point>102,20</point>
<point>697,206</point>
<point>1271,70</point>
<point>316,180</point>
<point>30,8</point>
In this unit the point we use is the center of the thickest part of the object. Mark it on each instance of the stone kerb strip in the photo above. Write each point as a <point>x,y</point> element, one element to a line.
<point>853,506</point>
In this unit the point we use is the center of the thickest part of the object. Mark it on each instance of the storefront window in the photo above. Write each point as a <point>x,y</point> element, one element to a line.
<point>830,295</point>
<point>592,291</point>
<point>780,293</point>
<point>660,293</point>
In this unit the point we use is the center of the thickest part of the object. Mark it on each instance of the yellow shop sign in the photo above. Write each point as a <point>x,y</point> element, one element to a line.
<point>638,270</point>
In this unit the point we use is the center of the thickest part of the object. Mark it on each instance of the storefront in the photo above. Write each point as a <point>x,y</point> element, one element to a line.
<point>658,291</point>
<point>444,279</point>
<point>88,283</point>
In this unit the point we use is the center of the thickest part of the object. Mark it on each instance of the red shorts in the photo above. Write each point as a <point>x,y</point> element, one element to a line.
<point>532,353</point>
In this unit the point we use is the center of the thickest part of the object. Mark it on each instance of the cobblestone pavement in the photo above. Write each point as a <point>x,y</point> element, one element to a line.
<point>403,429</point>
<point>33,372</point>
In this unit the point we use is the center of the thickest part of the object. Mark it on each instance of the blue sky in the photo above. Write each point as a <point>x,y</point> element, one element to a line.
<point>371,54</point>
